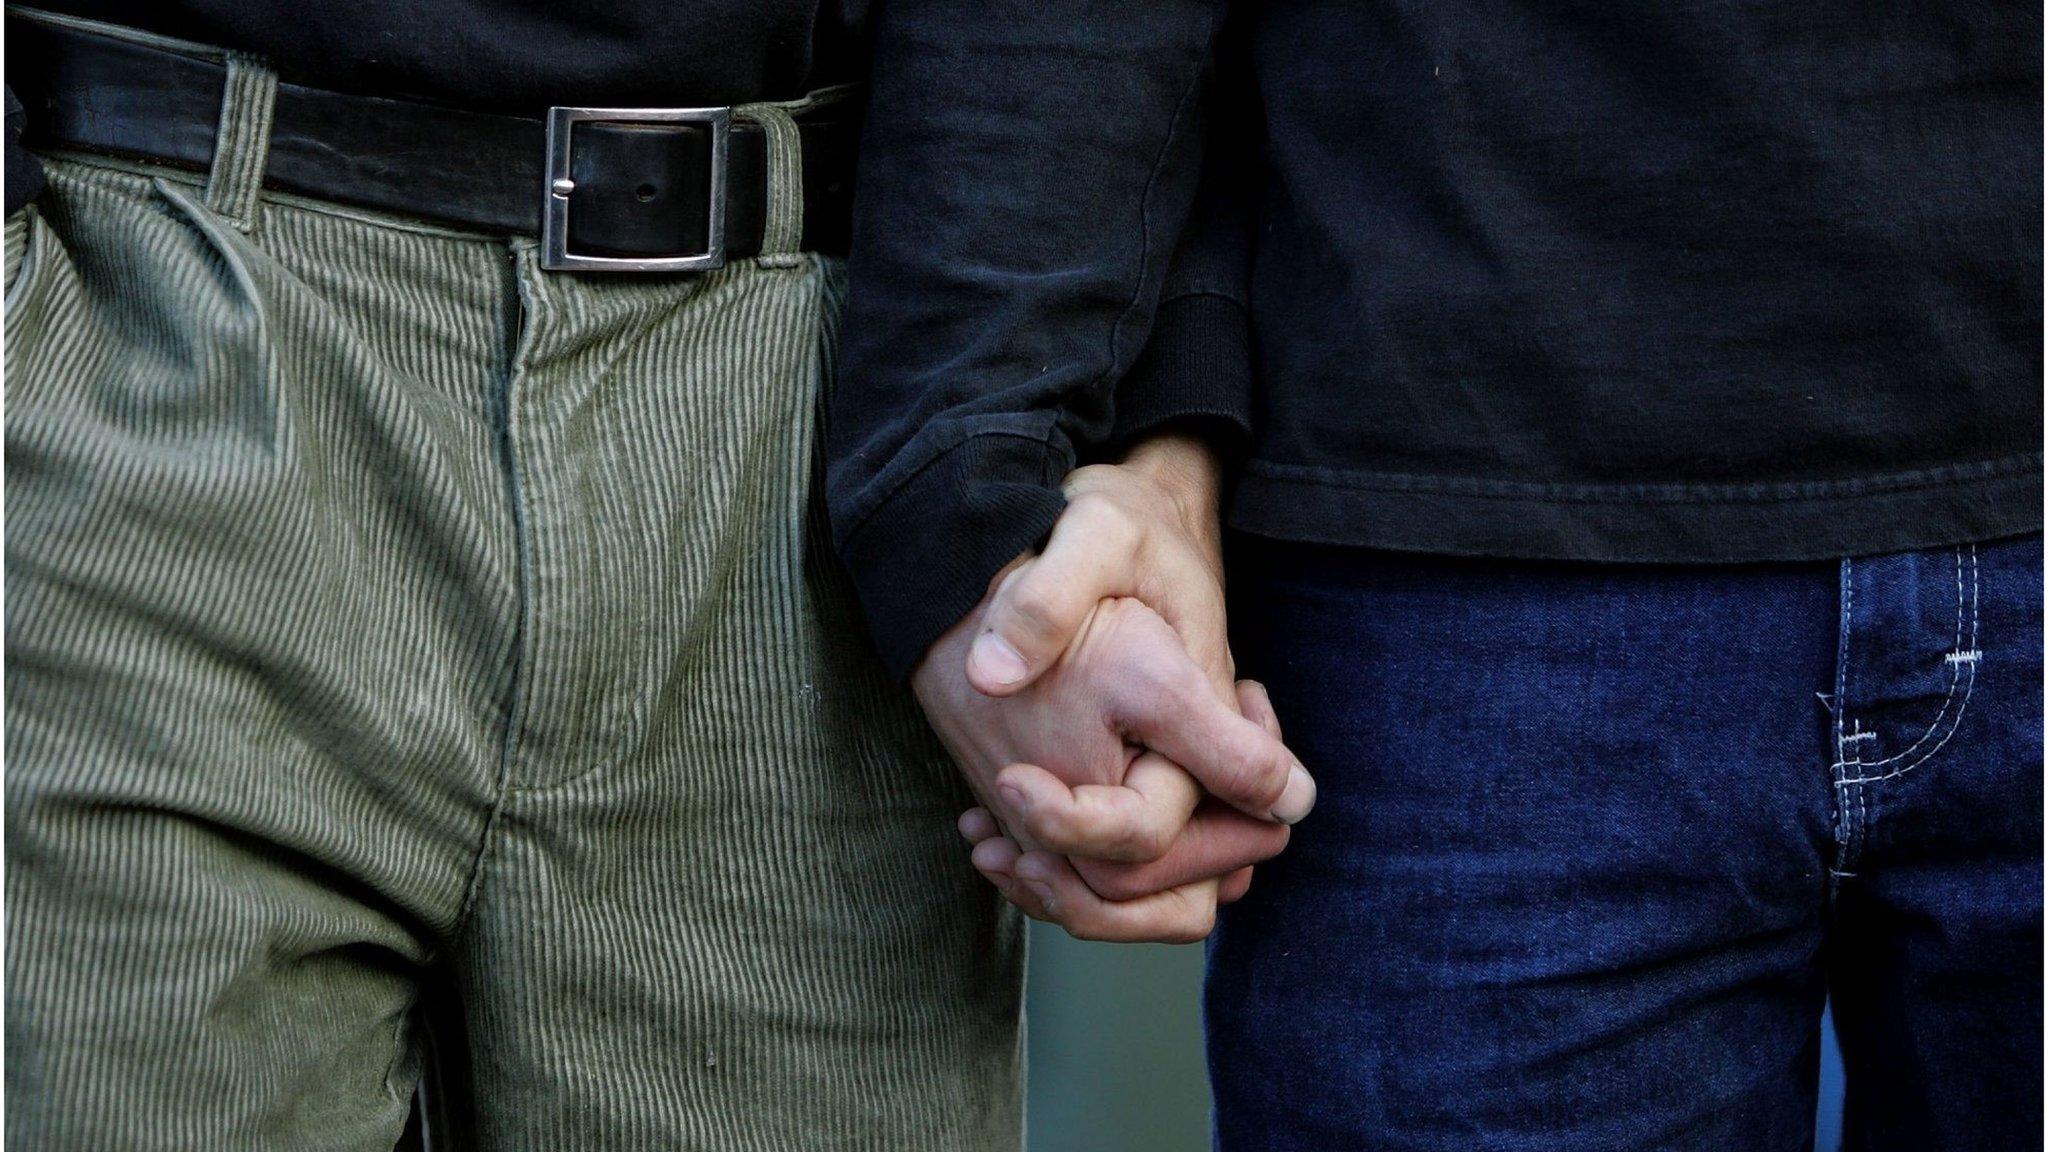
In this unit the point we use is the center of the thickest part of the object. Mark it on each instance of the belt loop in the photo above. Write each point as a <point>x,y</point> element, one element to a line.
<point>241,145</point>
<point>782,231</point>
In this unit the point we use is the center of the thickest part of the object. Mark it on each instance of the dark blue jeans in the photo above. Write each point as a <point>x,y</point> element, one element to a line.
<point>1595,843</point>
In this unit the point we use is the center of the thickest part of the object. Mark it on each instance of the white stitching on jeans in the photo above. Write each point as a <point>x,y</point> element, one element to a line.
<point>1955,678</point>
<point>1962,664</point>
<point>1844,824</point>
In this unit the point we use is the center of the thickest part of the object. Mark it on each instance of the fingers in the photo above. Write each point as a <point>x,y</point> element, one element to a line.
<point>1186,593</point>
<point>1234,886</point>
<point>1142,837</point>
<point>995,857</point>
<point>978,824</point>
<point>1040,607</point>
<point>1046,887</point>
<point>1217,842</point>
<point>1137,820</point>
<point>1239,761</point>
<point>1258,707</point>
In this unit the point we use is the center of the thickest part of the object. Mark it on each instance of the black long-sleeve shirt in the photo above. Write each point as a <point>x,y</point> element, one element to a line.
<point>1687,281</point>
<point>1025,176</point>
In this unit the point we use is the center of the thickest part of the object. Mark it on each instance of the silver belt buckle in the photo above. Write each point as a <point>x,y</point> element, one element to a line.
<point>554,222</point>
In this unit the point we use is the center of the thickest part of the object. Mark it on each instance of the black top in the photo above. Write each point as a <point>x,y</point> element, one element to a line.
<point>516,57</point>
<point>1684,281</point>
<point>1672,281</point>
<point>520,56</point>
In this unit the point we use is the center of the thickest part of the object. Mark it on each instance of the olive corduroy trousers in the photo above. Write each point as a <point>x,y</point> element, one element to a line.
<point>419,660</point>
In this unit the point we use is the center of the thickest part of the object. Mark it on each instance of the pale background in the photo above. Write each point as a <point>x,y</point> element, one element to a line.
<point>1116,1050</point>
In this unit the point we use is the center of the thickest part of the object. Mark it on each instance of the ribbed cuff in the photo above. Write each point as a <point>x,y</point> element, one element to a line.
<point>925,557</point>
<point>1197,366</point>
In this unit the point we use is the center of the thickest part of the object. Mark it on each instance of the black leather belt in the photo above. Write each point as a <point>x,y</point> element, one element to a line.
<point>609,189</point>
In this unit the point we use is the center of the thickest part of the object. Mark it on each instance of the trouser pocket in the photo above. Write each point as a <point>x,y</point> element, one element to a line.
<point>28,238</point>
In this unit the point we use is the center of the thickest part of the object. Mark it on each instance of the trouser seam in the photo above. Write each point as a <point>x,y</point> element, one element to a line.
<point>518,673</point>
<point>1962,660</point>
<point>1846,822</point>
<point>1853,774</point>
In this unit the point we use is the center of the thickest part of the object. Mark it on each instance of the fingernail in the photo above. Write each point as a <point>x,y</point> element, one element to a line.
<point>1014,797</point>
<point>1043,893</point>
<point>997,660</point>
<point>1299,797</point>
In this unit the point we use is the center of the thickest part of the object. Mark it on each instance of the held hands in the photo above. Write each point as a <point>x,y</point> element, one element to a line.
<point>1089,702</point>
<point>1094,903</point>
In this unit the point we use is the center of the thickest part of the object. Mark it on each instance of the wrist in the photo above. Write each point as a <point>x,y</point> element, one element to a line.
<point>1185,468</point>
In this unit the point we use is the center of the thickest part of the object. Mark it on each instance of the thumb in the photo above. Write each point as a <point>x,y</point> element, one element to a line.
<point>1041,604</point>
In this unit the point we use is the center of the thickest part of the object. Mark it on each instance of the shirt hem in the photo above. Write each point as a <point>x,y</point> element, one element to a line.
<point>1644,523</point>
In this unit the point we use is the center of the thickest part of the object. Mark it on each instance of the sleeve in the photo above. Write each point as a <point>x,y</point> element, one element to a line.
<point>24,173</point>
<point>1026,169</point>
<point>1197,366</point>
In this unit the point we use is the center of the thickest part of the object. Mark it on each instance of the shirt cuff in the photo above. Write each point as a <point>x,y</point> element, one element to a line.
<point>924,557</point>
<point>1197,366</point>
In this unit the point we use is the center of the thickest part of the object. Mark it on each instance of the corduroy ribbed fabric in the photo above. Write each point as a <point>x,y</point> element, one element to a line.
<point>403,642</point>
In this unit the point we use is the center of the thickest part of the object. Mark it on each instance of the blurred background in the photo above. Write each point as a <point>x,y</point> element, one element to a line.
<point>1115,1034</point>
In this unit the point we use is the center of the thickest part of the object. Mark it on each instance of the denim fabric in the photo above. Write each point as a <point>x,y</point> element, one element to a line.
<point>1595,843</point>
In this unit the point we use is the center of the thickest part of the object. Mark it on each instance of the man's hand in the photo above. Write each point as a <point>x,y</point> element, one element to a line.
<point>1151,849</point>
<point>1146,529</point>
<point>1052,888</point>
<point>1059,761</point>
<point>1060,764</point>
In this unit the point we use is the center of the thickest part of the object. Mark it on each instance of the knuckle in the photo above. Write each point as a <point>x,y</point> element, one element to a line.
<point>1108,518</point>
<point>1195,920</point>
<point>1257,776</point>
<point>1055,828</point>
<point>1147,839</point>
<point>1117,834</point>
<point>1090,477</point>
<point>1270,770</point>
<point>1088,928</point>
<point>1089,506</point>
<point>1274,844</point>
<point>1119,885</point>
<point>1035,604</point>
<point>1194,931</point>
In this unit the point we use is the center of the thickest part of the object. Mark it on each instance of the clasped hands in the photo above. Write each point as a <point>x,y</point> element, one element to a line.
<point>1127,781</point>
